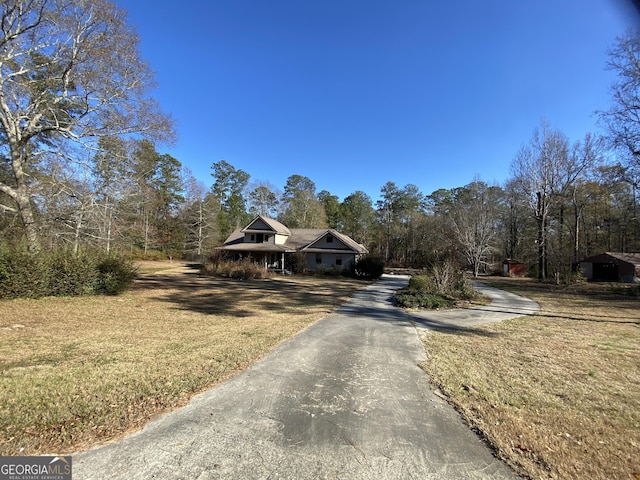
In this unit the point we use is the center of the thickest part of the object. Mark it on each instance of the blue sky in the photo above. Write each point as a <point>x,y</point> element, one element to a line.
<point>353,94</point>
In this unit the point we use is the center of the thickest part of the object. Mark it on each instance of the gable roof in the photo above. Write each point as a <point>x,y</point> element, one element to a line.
<point>347,242</point>
<point>261,224</point>
<point>632,258</point>
<point>236,242</point>
<point>304,239</point>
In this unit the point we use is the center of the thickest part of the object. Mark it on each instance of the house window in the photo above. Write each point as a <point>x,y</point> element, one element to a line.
<point>318,258</point>
<point>329,238</point>
<point>253,237</point>
<point>339,261</point>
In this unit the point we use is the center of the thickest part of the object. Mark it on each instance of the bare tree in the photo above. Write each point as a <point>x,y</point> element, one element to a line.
<point>474,221</point>
<point>69,72</point>
<point>200,216</point>
<point>543,173</point>
<point>622,120</point>
<point>533,170</point>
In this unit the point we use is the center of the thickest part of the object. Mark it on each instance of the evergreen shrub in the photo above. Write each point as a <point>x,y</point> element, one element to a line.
<point>115,275</point>
<point>297,262</point>
<point>71,275</point>
<point>370,267</point>
<point>23,275</point>
<point>62,273</point>
<point>417,299</point>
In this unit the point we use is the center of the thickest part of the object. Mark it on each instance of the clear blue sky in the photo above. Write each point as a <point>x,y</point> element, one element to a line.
<point>353,93</point>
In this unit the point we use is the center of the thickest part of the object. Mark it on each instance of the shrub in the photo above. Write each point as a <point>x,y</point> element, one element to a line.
<point>71,275</point>
<point>414,299</point>
<point>421,283</point>
<point>152,255</point>
<point>440,289</point>
<point>23,275</point>
<point>297,262</point>
<point>115,274</point>
<point>369,267</point>
<point>244,269</point>
<point>62,273</point>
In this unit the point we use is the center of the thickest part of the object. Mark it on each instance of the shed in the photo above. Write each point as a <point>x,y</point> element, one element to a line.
<point>513,268</point>
<point>612,267</point>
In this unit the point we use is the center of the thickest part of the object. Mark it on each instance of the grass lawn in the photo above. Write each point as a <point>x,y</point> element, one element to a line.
<point>557,394</point>
<point>76,372</point>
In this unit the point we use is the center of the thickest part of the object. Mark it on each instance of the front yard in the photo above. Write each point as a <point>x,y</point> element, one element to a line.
<point>82,371</point>
<point>557,394</point>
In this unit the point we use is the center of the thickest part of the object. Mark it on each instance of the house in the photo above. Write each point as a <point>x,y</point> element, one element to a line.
<point>612,267</point>
<point>513,268</point>
<point>268,241</point>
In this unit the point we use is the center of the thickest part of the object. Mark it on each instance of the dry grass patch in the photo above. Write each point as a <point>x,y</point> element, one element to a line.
<point>556,394</point>
<point>81,371</point>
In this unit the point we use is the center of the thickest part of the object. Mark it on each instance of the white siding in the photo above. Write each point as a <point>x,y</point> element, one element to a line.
<point>280,239</point>
<point>329,260</point>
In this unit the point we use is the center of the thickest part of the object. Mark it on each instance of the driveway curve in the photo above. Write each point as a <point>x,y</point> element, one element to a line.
<point>504,305</point>
<point>344,399</point>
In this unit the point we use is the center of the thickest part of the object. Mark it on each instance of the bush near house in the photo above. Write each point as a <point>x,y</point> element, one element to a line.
<point>242,269</point>
<point>368,268</point>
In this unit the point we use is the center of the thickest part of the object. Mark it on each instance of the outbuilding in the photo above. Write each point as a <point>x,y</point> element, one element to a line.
<point>513,268</point>
<point>612,267</point>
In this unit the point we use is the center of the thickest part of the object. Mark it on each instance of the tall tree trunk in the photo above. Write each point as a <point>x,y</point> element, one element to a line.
<point>200,230</point>
<point>26,215</point>
<point>22,198</point>
<point>541,218</point>
<point>76,233</point>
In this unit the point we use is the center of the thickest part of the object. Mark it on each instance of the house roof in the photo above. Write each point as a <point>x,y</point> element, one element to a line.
<point>259,223</point>
<point>347,241</point>
<point>235,242</point>
<point>632,258</point>
<point>304,239</point>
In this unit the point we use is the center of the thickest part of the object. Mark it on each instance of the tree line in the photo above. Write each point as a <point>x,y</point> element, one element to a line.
<point>80,167</point>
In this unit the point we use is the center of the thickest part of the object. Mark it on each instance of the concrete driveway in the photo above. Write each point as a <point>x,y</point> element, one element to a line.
<point>504,305</point>
<point>344,399</point>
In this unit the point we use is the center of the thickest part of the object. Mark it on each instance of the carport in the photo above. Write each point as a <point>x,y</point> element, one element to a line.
<point>612,267</point>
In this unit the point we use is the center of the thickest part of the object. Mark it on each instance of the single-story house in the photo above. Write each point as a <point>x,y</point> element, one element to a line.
<point>269,241</point>
<point>612,267</point>
<point>513,268</point>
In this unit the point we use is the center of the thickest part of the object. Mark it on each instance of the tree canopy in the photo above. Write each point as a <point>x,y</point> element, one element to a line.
<point>80,165</point>
<point>70,73</point>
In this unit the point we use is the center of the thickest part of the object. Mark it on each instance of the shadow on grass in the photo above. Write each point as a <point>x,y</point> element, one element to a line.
<point>227,296</point>
<point>600,319</point>
<point>453,329</point>
<point>600,298</point>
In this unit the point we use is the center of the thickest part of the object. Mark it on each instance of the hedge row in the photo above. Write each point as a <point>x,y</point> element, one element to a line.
<point>62,274</point>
